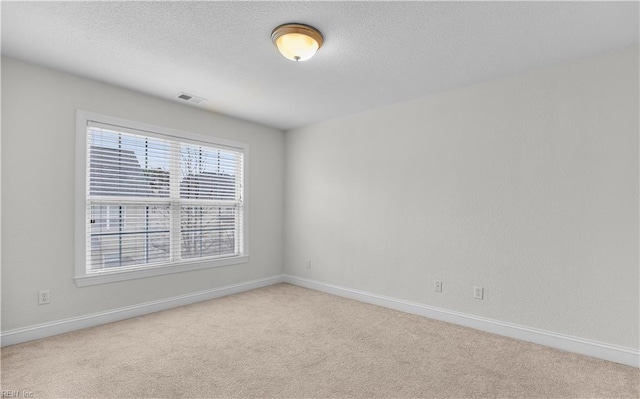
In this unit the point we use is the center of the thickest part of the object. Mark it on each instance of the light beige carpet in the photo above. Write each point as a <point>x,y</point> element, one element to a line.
<point>287,341</point>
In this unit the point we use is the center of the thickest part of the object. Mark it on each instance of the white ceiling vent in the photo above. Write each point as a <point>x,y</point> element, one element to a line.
<point>190,98</point>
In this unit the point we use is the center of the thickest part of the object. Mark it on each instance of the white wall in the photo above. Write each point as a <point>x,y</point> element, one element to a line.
<point>38,133</point>
<point>526,185</point>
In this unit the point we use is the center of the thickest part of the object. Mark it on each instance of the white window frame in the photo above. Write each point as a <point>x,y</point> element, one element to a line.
<point>84,278</point>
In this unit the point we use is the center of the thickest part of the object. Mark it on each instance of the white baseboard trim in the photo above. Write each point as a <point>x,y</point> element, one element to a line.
<point>613,353</point>
<point>44,330</point>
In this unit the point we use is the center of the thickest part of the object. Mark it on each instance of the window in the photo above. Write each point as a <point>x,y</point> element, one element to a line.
<point>154,201</point>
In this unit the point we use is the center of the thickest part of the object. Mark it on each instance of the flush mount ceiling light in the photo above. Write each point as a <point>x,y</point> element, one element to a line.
<point>297,42</point>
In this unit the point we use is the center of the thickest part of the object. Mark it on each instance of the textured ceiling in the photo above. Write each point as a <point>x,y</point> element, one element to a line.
<point>375,53</point>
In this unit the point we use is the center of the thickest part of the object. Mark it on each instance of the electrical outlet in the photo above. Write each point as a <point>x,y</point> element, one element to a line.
<point>308,264</point>
<point>438,286</point>
<point>44,297</point>
<point>478,292</point>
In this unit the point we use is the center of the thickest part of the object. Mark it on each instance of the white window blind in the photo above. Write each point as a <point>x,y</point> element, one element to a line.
<point>154,199</point>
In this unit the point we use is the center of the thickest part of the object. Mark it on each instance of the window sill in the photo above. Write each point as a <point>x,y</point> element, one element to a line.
<point>121,275</point>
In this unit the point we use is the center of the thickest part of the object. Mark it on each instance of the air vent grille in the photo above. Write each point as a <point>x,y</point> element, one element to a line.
<point>190,98</point>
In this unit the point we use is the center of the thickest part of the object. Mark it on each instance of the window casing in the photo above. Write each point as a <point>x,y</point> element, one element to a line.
<point>154,201</point>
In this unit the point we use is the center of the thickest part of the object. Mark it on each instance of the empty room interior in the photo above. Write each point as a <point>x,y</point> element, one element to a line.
<point>320,199</point>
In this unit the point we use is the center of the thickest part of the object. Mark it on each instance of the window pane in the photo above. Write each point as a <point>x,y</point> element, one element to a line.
<point>123,164</point>
<point>207,230</point>
<point>208,173</point>
<point>129,234</point>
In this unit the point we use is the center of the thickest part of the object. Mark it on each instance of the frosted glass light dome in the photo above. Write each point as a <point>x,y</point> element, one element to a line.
<point>297,42</point>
